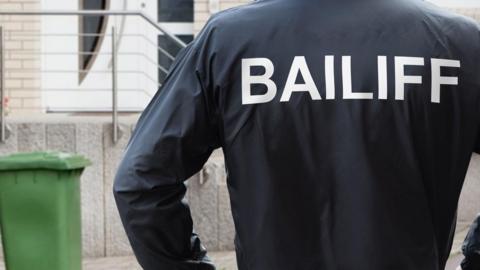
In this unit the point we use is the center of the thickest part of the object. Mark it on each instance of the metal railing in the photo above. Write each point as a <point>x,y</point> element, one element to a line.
<point>2,85</point>
<point>114,86</point>
<point>96,13</point>
<point>114,54</point>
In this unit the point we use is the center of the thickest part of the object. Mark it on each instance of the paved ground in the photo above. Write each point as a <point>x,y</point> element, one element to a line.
<point>223,261</point>
<point>453,263</point>
<point>226,260</point>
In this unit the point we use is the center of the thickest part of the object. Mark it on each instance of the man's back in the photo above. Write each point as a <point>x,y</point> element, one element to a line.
<point>347,128</point>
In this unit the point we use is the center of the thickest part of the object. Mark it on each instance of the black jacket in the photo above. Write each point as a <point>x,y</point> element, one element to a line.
<point>347,128</point>
<point>471,247</point>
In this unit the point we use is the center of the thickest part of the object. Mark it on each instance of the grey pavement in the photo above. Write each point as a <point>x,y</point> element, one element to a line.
<point>223,261</point>
<point>227,261</point>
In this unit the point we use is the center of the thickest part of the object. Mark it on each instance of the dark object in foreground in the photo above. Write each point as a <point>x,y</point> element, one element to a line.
<point>471,247</point>
<point>347,129</point>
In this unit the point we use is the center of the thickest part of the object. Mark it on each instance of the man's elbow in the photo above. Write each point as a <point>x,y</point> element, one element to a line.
<point>122,182</point>
<point>128,182</point>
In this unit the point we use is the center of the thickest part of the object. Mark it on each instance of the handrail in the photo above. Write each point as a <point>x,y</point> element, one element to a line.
<point>114,53</point>
<point>2,85</point>
<point>149,41</point>
<point>114,86</point>
<point>96,13</point>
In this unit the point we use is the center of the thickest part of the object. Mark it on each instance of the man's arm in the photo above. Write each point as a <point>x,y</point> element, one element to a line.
<point>173,138</point>
<point>471,247</point>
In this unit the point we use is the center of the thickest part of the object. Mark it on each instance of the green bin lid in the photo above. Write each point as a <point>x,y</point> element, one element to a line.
<point>43,160</point>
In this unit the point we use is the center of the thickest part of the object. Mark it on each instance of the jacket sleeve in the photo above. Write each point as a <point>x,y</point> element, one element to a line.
<point>172,140</point>
<point>471,247</point>
<point>477,143</point>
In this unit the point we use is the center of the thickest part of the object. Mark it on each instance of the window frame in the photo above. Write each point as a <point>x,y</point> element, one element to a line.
<point>180,28</point>
<point>84,69</point>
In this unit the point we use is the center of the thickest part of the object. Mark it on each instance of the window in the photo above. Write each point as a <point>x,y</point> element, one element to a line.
<point>172,48</point>
<point>92,29</point>
<point>177,17</point>
<point>175,10</point>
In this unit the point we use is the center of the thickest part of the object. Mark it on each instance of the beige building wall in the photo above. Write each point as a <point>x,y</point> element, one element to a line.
<point>22,61</point>
<point>470,12</point>
<point>204,9</point>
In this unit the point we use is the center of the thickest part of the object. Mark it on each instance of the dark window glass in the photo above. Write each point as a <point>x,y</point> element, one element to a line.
<point>172,48</point>
<point>91,25</point>
<point>175,10</point>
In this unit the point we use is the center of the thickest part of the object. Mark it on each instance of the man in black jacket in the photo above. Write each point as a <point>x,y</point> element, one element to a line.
<point>347,128</point>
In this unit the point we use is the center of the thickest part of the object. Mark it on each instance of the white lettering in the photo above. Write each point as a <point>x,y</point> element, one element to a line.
<point>330,77</point>
<point>299,65</point>
<point>248,79</point>
<point>401,79</point>
<point>438,80</point>
<point>382,78</point>
<point>347,81</point>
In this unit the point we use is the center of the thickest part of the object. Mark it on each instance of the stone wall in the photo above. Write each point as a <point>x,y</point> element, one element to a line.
<point>22,65</point>
<point>207,195</point>
<point>103,233</point>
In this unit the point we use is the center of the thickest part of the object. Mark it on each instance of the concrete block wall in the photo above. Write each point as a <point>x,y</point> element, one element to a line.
<point>22,63</point>
<point>102,232</point>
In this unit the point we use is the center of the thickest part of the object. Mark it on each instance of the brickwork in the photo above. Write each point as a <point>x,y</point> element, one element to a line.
<point>22,62</point>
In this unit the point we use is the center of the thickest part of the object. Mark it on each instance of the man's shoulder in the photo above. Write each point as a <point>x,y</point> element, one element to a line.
<point>448,18</point>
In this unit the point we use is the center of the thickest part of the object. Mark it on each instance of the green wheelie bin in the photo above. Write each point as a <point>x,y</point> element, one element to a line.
<point>40,210</point>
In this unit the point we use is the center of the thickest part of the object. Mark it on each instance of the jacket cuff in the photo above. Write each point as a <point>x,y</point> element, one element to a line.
<point>471,263</point>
